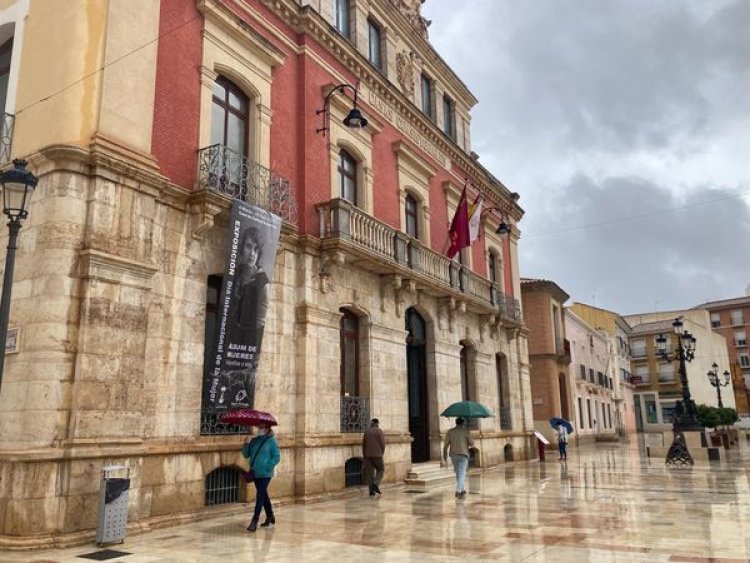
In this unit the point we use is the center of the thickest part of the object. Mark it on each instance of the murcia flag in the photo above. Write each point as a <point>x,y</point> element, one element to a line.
<point>458,233</point>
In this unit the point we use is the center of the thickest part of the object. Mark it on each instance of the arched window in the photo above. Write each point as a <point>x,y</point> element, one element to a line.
<point>227,165</point>
<point>348,177</point>
<point>465,374</point>
<point>6,120</point>
<point>410,209</point>
<point>229,116</point>
<point>349,370</point>
<point>6,51</point>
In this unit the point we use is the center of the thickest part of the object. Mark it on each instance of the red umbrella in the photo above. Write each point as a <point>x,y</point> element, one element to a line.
<point>247,417</point>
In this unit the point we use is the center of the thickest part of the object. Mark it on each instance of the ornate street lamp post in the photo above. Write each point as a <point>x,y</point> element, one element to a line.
<point>686,414</point>
<point>18,186</point>
<point>715,380</point>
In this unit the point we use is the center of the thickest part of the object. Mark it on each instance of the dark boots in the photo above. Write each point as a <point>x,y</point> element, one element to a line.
<point>270,521</point>
<point>253,525</point>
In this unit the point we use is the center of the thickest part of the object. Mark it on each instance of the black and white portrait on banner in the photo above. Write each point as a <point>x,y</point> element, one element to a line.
<point>253,237</point>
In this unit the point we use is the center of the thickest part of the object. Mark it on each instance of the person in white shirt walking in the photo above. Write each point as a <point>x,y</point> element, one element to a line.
<point>458,441</point>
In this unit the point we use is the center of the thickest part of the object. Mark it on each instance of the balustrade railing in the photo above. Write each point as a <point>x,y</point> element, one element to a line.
<point>6,136</point>
<point>226,171</point>
<point>434,265</point>
<point>355,414</point>
<point>338,218</point>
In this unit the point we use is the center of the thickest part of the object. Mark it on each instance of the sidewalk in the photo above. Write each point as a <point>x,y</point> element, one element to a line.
<point>607,503</point>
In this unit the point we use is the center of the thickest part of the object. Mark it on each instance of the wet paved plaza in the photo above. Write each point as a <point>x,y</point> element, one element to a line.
<point>607,503</point>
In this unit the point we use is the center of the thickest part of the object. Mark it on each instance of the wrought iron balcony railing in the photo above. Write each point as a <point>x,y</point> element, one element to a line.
<point>6,136</point>
<point>339,219</point>
<point>355,414</point>
<point>506,421</point>
<point>226,171</point>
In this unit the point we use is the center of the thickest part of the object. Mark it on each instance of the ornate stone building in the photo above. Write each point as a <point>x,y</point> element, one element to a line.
<point>142,120</point>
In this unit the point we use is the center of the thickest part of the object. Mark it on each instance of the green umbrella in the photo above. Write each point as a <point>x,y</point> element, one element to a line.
<point>467,409</point>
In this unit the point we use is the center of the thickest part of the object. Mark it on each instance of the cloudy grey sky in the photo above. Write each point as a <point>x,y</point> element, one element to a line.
<point>625,127</point>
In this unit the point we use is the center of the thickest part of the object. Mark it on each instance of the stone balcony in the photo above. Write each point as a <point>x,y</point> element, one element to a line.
<point>377,247</point>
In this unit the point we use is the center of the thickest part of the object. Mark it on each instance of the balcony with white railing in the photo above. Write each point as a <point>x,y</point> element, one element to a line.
<point>386,250</point>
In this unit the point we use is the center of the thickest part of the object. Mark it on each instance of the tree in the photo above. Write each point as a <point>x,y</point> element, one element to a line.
<point>728,416</point>
<point>708,416</point>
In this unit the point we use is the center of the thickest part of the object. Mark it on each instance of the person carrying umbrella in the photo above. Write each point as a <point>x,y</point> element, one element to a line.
<point>562,441</point>
<point>264,455</point>
<point>458,441</point>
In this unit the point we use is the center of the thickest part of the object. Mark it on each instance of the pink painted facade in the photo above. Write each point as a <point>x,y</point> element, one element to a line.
<point>297,152</point>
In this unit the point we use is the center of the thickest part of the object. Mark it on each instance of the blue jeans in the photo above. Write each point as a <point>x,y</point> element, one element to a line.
<point>460,464</point>
<point>562,447</point>
<point>262,500</point>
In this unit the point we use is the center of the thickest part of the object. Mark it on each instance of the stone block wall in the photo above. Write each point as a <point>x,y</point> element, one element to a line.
<point>114,370</point>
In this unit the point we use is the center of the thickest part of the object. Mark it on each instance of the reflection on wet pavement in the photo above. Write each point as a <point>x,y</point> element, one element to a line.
<point>607,503</point>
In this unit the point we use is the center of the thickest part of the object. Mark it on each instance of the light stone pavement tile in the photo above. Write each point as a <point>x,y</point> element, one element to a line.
<point>607,503</point>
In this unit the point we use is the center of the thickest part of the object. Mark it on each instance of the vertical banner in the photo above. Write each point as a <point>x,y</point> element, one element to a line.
<point>253,237</point>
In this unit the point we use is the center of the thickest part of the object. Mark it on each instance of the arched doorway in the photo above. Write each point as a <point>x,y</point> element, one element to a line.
<point>416,351</point>
<point>564,412</point>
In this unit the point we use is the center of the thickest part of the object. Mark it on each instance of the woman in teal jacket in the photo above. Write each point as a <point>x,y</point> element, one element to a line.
<point>263,454</point>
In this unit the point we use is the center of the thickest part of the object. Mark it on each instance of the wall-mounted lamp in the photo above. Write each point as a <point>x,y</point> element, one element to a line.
<point>504,227</point>
<point>354,118</point>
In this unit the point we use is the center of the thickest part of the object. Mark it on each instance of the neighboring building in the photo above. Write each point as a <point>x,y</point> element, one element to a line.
<point>549,352</point>
<point>731,319</point>
<point>140,146</point>
<point>616,330</point>
<point>594,371</point>
<point>657,383</point>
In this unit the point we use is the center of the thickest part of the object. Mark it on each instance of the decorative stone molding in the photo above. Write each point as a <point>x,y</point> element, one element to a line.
<point>241,31</point>
<point>447,308</point>
<point>405,73</point>
<point>329,264</point>
<point>205,206</point>
<point>410,10</point>
<point>400,287</point>
<point>106,267</point>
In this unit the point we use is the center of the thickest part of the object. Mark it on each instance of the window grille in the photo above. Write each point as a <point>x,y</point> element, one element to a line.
<point>223,486</point>
<point>353,472</point>
<point>355,414</point>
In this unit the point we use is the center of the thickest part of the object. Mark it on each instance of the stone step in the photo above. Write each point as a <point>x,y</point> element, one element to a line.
<point>425,475</point>
<point>419,468</point>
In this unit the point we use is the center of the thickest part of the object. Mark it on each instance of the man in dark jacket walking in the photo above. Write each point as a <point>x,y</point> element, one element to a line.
<point>373,448</point>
